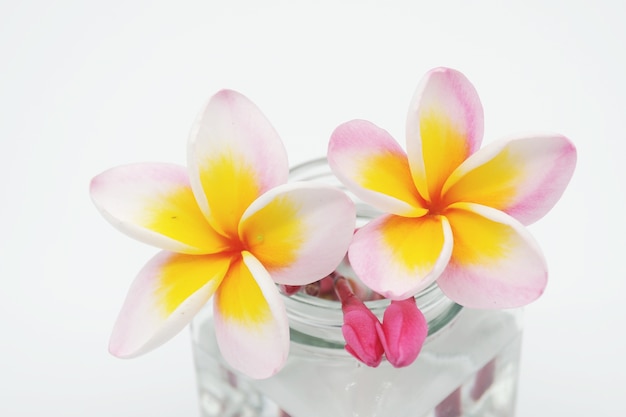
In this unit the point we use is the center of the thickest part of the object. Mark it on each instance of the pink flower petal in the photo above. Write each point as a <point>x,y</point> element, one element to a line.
<point>300,232</point>
<point>398,256</point>
<point>234,156</point>
<point>154,203</point>
<point>495,262</point>
<point>361,327</point>
<point>371,164</point>
<point>164,297</point>
<point>444,126</point>
<point>404,331</point>
<point>250,320</point>
<point>523,176</point>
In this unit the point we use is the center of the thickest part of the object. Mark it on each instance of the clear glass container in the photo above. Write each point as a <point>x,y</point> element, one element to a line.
<point>468,365</point>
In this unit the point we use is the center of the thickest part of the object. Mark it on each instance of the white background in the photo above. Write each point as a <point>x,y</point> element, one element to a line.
<point>87,85</point>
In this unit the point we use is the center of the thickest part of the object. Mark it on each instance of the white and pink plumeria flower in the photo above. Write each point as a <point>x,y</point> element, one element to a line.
<point>230,227</point>
<point>455,213</point>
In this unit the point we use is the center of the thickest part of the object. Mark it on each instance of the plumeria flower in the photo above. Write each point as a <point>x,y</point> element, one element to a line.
<point>455,214</point>
<point>230,228</point>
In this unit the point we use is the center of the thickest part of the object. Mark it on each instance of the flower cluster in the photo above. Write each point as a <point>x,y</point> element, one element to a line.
<point>231,228</point>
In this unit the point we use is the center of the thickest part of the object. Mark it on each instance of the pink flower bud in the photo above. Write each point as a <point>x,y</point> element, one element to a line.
<point>361,327</point>
<point>403,332</point>
<point>289,289</point>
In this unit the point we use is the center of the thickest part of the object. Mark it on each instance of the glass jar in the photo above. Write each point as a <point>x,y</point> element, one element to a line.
<point>468,365</point>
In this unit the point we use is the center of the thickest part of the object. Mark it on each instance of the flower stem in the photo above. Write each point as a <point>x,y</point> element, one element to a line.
<point>484,379</point>
<point>450,406</point>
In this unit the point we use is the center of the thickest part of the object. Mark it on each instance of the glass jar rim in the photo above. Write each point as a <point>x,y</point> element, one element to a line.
<point>312,317</point>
